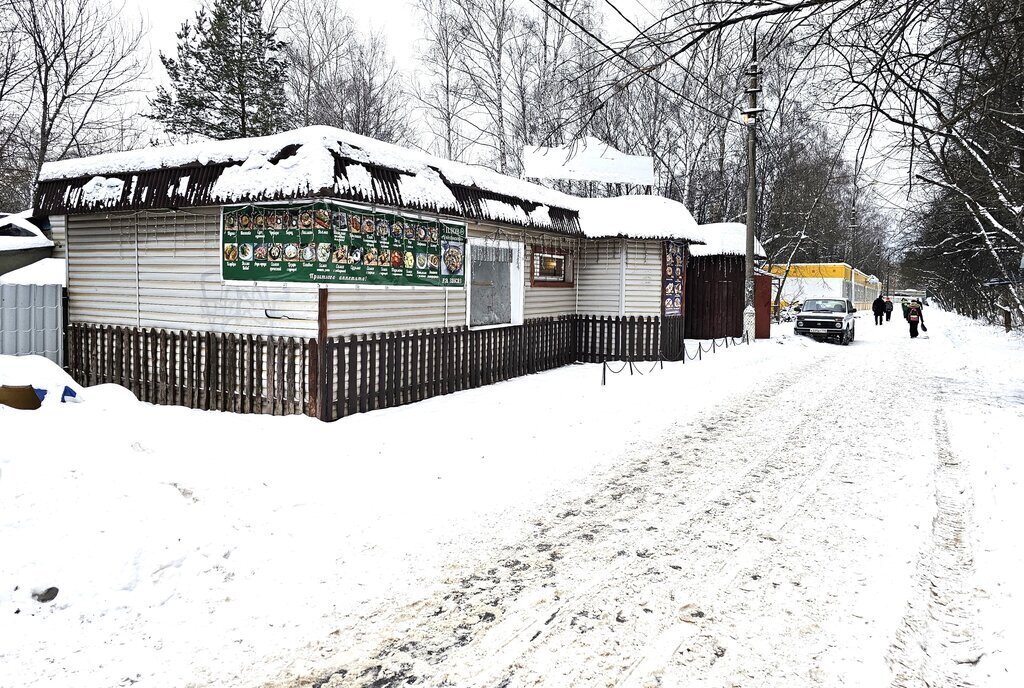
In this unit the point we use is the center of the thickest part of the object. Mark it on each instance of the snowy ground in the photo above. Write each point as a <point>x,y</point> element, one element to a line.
<point>850,522</point>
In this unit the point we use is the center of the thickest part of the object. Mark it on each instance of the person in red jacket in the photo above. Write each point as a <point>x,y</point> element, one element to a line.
<point>915,316</point>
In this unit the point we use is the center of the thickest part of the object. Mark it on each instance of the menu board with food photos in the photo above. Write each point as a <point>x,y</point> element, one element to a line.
<point>326,242</point>
<point>673,278</point>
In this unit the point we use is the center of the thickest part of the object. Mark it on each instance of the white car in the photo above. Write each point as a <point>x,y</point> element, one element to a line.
<point>831,319</point>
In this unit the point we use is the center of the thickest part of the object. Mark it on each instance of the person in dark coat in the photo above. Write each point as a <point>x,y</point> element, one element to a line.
<point>888,308</point>
<point>915,316</point>
<point>906,305</point>
<point>878,308</point>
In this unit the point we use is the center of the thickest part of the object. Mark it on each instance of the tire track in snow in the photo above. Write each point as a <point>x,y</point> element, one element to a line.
<point>561,583</point>
<point>935,645</point>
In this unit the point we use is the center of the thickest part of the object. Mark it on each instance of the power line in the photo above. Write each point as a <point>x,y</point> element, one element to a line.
<point>639,71</point>
<point>641,32</point>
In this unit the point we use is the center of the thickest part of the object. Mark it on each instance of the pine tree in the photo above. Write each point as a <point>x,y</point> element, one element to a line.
<point>228,78</point>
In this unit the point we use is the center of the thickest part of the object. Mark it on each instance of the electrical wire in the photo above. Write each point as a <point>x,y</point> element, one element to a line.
<point>638,70</point>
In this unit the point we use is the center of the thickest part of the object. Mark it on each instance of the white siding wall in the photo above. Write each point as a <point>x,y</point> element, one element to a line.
<point>600,278</point>
<point>179,284</point>
<point>58,236</point>
<point>173,280</point>
<point>643,278</point>
<point>352,310</point>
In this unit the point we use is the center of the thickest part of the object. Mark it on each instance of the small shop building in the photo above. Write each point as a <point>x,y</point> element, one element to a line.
<point>322,272</point>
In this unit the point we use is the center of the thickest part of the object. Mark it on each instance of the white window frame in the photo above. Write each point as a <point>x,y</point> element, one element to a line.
<point>516,281</point>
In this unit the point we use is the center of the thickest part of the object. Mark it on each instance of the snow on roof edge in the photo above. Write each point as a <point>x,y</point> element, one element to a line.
<point>258,168</point>
<point>637,217</point>
<point>20,220</point>
<point>256,153</point>
<point>726,239</point>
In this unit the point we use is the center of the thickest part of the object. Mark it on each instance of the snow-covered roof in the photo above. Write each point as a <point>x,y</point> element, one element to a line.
<point>329,162</point>
<point>637,217</point>
<point>725,239</point>
<point>20,221</point>
<point>311,161</point>
<point>588,159</point>
<point>45,271</point>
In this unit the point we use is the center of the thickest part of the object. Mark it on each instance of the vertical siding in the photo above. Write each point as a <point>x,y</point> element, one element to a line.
<point>546,302</point>
<point>178,283</point>
<point>599,277</point>
<point>643,278</point>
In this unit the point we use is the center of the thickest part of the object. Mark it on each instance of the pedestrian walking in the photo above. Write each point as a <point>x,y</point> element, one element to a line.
<point>888,308</point>
<point>915,316</point>
<point>878,308</point>
<point>906,306</point>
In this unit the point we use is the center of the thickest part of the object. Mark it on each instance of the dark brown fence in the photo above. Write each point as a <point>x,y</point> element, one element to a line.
<point>672,331</point>
<point>204,370</point>
<point>353,374</point>
<point>714,297</point>
<point>600,339</point>
<point>373,371</point>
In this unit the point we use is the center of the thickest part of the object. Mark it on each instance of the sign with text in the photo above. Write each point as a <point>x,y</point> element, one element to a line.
<point>331,243</point>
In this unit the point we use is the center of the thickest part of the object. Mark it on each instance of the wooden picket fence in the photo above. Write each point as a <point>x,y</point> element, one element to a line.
<point>354,374</point>
<point>203,370</point>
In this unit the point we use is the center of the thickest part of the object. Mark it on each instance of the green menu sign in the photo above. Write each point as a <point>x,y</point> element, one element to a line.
<point>321,241</point>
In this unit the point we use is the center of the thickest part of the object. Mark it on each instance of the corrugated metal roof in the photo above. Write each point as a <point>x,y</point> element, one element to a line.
<point>193,186</point>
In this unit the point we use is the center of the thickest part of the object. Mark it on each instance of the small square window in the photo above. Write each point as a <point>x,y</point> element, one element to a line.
<point>551,268</point>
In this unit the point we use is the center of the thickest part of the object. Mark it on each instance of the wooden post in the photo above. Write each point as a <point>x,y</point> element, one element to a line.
<point>315,381</point>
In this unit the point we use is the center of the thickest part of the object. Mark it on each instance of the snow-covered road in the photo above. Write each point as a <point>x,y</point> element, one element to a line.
<point>816,532</point>
<point>852,521</point>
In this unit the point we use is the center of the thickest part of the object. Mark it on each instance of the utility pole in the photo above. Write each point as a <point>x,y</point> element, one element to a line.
<point>750,113</point>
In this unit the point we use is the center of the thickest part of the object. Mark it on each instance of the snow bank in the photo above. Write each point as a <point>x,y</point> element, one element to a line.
<point>186,543</point>
<point>18,243</point>
<point>725,239</point>
<point>590,160</point>
<point>45,271</point>
<point>639,217</point>
<point>39,372</point>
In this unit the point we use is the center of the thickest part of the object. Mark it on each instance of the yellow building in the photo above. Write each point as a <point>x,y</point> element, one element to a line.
<point>827,280</point>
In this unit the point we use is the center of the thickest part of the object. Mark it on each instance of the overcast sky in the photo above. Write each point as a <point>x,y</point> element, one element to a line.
<point>164,18</point>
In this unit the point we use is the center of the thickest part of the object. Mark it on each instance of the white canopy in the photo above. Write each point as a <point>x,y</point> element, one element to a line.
<point>637,217</point>
<point>589,160</point>
<point>725,239</point>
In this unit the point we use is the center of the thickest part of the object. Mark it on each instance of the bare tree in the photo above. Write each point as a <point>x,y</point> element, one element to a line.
<point>15,87</point>
<point>375,101</point>
<point>336,77</point>
<point>84,63</point>
<point>489,28</point>
<point>318,36</point>
<point>441,91</point>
